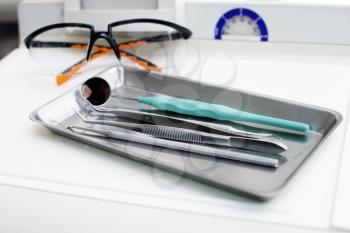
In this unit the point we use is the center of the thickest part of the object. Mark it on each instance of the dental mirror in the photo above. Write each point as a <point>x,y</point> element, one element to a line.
<point>96,90</point>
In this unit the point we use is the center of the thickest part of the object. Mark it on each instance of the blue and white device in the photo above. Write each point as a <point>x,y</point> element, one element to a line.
<point>291,21</point>
<point>241,23</point>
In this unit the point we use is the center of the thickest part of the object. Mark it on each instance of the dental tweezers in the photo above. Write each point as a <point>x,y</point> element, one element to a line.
<point>128,135</point>
<point>270,146</point>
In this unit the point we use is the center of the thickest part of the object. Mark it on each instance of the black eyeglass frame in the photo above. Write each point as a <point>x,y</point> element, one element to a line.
<point>182,32</point>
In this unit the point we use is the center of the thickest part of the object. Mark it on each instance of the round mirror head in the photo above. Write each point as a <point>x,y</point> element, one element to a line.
<point>96,90</point>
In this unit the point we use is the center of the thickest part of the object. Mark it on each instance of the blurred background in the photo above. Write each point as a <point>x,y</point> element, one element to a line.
<point>8,26</point>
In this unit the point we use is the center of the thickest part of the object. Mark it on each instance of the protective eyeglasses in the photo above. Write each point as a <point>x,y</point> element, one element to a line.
<point>145,43</point>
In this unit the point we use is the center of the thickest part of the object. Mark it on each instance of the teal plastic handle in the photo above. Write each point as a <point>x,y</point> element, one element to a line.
<point>218,112</point>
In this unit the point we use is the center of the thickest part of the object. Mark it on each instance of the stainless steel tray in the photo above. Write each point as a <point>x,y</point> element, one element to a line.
<point>252,181</point>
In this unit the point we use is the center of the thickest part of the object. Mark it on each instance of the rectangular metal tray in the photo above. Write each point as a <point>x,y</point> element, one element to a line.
<point>252,181</point>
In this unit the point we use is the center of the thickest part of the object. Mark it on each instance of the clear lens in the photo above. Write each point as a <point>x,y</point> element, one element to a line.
<point>60,49</point>
<point>149,46</point>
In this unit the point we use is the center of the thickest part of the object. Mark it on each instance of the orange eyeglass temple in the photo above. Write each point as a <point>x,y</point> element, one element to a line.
<point>100,51</point>
<point>62,78</point>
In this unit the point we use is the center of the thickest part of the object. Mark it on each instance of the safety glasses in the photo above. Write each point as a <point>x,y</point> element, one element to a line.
<point>68,47</point>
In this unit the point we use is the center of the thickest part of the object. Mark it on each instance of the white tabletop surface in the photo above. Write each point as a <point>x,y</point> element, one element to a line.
<point>342,197</point>
<point>32,157</point>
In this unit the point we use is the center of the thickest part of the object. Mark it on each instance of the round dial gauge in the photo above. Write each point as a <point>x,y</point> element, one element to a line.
<point>241,24</point>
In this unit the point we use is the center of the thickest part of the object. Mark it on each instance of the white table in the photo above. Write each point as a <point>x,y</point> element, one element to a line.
<point>52,183</point>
